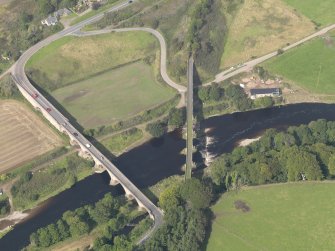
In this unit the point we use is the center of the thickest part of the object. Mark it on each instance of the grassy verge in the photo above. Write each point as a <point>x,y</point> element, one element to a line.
<point>91,13</point>
<point>32,188</point>
<point>4,205</point>
<point>310,66</point>
<point>275,217</point>
<point>119,142</point>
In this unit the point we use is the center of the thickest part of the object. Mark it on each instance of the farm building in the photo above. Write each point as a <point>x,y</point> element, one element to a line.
<point>62,12</point>
<point>264,92</point>
<point>50,21</point>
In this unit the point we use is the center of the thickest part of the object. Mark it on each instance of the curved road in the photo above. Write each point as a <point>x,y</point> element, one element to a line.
<point>160,38</point>
<point>21,79</point>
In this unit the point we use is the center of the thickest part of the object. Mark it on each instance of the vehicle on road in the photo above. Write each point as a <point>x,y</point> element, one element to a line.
<point>87,145</point>
<point>48,109</point>
<point>35,95</point>
<point>75,134</point>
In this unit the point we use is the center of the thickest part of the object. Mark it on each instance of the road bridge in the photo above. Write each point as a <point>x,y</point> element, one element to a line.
<point>57,119</point>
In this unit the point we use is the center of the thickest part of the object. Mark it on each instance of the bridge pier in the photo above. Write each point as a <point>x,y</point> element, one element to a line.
<point>114,181</point>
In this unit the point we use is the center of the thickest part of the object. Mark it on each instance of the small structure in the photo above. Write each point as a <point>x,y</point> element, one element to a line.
<point>50,21</point>
<point>265,92</point>
<point>62,12</point>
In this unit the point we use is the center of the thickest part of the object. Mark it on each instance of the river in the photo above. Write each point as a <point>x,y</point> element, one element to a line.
<point>157,159</point>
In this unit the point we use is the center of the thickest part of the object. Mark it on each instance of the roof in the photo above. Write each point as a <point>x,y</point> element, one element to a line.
<point>265,91</point>
<point>63,11</point>
<point>51,19</point>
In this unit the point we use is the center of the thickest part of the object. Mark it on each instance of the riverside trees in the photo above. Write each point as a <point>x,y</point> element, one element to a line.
<point>303,152</point>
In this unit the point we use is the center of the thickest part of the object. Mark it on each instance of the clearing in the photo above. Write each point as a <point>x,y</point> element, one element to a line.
<point>295,216</point>
<point>260,27</point>
<point>310,66</point>
<point>23,135</point>
<point>114,95</point>
<point>320,12</point>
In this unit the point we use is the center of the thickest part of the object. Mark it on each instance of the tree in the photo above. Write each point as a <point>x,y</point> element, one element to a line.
<point>156,129</point>
<point>169,197</point>
<point>177,117</point>
<point>264,102</point>
<point>203,94</point>
<point>195,193</point>
<point>215,92</point>
<point>331,165</point>
<point>105,209</point>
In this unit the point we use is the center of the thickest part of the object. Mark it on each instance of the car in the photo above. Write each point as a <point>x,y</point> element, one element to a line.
<point>35,95</point>
<point>130,1</point>
<point>88,145</point>
<point>102,157</point>
<point>75,134</point>
<point>48,109</point>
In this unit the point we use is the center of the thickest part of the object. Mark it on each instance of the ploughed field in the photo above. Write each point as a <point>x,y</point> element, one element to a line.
<point>295,216</point>
<point>23,135</point>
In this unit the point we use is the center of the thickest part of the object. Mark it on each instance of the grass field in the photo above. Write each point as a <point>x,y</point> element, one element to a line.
<point>73,59</point>
<point>321,12</point>
<point>310,66</point>
<point>297,216</point>
<point>120,142</point>
<point>124,91</point>
<point>260,27</point>
<point>23,136</point>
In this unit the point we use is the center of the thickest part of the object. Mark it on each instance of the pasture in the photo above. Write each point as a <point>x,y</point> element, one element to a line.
<point>113,95</point>
<point>23,135</point>
<point>260,27</point>
<point>72,59</point>
<point>310,66</point>
<point>321,12</point>
<point>295,216</point>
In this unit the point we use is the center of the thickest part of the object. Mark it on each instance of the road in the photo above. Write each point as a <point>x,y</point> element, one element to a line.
<point>251,64</point>
<point>21,79</point>
<point>163,69</point>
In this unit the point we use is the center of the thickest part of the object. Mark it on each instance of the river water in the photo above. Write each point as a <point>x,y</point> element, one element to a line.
<point>159,158</point>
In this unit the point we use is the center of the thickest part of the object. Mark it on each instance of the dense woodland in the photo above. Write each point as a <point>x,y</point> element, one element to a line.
<point>303,152</point>
<point>113,213</point>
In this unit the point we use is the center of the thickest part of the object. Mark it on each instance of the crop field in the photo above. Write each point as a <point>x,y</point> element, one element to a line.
<point>311,66</point>
<point>23,136</point>
<point>72,59</point>
<point>113,95</point>
<point>260,27</point>
<point>321,12</point>
<point>295,216</point>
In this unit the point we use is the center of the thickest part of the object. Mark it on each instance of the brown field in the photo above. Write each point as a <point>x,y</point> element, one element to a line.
<point>23,135</point>
<point>260,27</point>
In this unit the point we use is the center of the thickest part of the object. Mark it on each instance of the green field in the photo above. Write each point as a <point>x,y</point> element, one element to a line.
<point>114,95</point>
<point>119,142</point>
<point>296,216</point>
<point>309,66</point>
<point>73,59</point>
<point>321,12</point>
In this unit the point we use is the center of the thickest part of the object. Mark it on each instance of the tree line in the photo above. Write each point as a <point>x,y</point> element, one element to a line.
<point>112,212</point>
<point>304,152</point>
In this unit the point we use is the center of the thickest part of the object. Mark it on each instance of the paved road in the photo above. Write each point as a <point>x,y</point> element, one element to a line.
<point>163,68</point>
<point>21,79</point>
<point>250,64</point>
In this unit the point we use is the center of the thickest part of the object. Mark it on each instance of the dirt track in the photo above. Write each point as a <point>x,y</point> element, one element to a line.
<point>23,135</point>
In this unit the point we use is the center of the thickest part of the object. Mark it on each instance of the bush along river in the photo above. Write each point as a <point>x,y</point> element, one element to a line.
<point>160,158</point>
